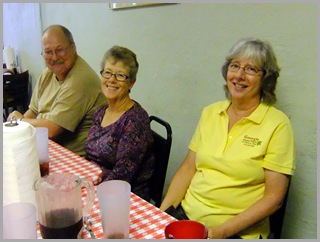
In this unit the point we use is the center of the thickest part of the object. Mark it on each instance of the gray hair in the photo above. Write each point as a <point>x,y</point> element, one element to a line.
<point>262,53</point>
<point>126,56</point>
<point>65,31</point>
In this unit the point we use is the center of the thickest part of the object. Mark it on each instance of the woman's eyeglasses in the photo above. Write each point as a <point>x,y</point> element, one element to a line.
<point>250,70</point>
<point>108,75</point>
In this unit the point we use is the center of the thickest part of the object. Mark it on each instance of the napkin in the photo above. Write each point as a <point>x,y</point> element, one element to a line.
<point>10,59</point>
<point>20,163</point>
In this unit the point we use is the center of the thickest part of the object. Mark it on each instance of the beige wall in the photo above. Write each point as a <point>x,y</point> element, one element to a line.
<point>180,49</point>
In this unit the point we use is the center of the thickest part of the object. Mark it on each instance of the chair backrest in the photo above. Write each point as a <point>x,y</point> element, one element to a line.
<point>276,219</point>
<point>16,91</point>
<point>162,147</point>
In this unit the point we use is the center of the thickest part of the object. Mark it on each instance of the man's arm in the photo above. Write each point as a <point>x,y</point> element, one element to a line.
<point>31,118</point>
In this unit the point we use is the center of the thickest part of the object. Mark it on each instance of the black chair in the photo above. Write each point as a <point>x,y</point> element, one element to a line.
<point>276,219</point>
<point>15,92</point>
<point>162,147</point>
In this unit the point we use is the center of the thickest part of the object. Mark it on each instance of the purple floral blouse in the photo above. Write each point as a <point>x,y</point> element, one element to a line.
<point>123,149</point>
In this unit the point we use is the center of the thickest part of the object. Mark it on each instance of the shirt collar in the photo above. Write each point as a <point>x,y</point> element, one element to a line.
<point>257,115</point>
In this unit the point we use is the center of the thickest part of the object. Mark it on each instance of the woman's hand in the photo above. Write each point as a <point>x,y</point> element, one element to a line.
<point>215,233</point>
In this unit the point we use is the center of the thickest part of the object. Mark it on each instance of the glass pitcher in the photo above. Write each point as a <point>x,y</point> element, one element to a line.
<point>59,205</point>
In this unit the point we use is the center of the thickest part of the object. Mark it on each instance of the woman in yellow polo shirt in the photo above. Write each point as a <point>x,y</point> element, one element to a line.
<point>241,155</point>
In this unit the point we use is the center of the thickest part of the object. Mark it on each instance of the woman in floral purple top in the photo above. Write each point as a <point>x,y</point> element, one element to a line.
<point>120,138</point>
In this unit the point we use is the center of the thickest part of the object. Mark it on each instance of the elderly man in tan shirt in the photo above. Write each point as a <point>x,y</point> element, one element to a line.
<point>67,92</point>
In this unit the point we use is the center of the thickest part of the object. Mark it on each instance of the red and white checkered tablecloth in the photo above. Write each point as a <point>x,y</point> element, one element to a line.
<point>146,220</point>
<point>64,160</point>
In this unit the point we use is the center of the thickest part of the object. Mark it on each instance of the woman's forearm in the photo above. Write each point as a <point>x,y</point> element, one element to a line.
<point>180,182</point>
<point>276,186</point>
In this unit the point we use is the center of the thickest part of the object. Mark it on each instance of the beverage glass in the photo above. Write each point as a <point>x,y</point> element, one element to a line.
<point>43,149</point>
<point>19,221</point>
<point>185,229</point>
<point>59,205</point>
<point>114,203</point>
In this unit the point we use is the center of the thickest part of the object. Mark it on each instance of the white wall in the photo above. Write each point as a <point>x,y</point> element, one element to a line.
<point>180,49</point>
<point>22,31</point>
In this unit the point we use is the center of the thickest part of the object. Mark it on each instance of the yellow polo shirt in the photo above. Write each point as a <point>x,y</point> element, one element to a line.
<point>230,166</point>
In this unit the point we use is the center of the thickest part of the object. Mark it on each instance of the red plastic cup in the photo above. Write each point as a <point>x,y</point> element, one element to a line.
<point>185,229</point>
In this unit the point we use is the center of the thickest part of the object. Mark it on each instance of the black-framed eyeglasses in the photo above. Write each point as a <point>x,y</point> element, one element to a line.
<point>59,52</point>
<point>250,70</point>
<point>119,77</point>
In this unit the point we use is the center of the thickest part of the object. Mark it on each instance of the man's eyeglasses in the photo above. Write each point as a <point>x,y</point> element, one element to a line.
<point>59,52</point>
<point>250,70</point>
<point>108,75</point>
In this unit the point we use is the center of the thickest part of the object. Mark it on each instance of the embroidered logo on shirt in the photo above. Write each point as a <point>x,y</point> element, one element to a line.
<point>251,141</point>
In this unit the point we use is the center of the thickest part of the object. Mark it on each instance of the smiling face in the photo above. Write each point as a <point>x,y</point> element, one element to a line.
<point>113,89</point>
<point>242,86</point>
<point>59,54</point>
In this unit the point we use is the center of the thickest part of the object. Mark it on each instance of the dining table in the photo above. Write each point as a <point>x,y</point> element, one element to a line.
<point>63,160</point>
<point>146,220</point>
